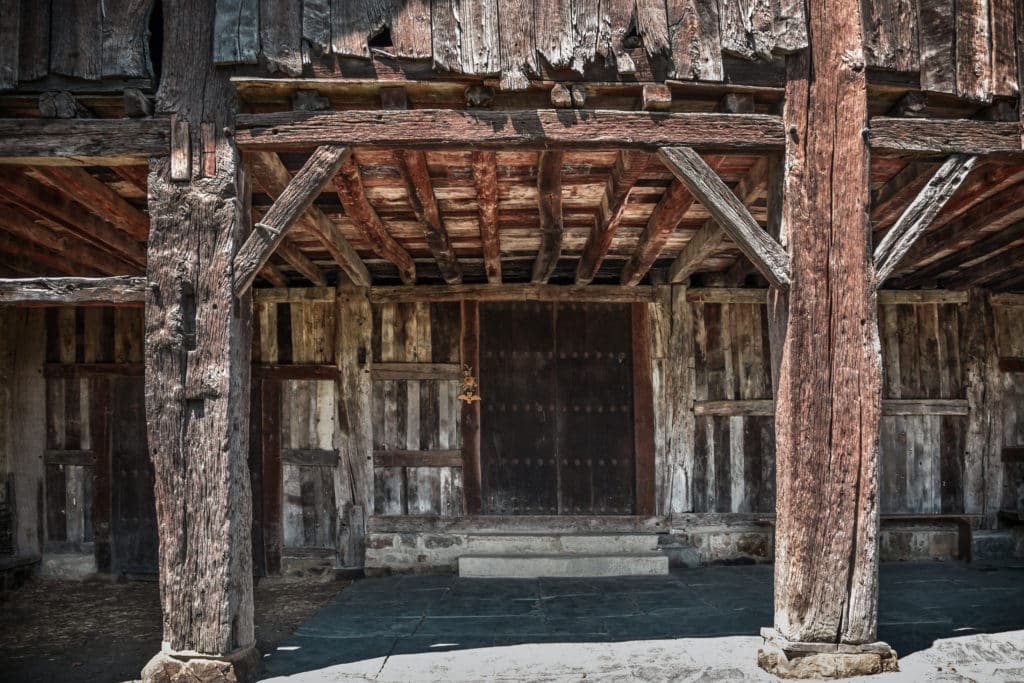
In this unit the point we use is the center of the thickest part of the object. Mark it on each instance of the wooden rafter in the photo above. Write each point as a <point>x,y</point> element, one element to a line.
<point>97,197</point>
<point>982,249</point>
<point>71,247</point>
<point>549,203</point>
<point>730,213</point>
<point>629,166</point>
<point>83,142</point>
<point>918,216</point>
<point>416,174</point>
<point>992,214</point>
<point>349,186</point>
<point>710,237</point>
<point>1006,264</point>
<point>42,259</point>
<point>485,177</point>
<point>74,291</point>
<point>294,257</point>
<point>297,196</point>
<point>49,204</point>
<point>663,221</point>
<point>888,201</point>
<point>271,175</point>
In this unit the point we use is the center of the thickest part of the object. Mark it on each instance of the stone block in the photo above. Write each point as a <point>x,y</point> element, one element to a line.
<point>795,660</point>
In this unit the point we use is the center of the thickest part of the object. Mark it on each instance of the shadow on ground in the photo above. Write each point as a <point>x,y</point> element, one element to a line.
<point>379,618</point>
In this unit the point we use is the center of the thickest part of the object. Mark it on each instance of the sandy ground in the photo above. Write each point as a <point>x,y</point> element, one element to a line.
<point>99,631</point>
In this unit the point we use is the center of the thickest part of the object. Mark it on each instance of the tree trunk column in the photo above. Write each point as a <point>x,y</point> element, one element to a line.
<point>197,353</point>
<point>829,386</point>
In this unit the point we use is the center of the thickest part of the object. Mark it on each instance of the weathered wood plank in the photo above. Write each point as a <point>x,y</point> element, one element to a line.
<point>98,198</point>
<point>470,357</point>
<point>734,218</point>
<point>309,457</point>
<point>415,371</point>
<point>109,291</point>
<point>281,35</point>
<point>667,214</point>
<point>549,204</point>
<point>944,136</point>
<point>890,28</point>
<point>919,214</point>
<point>236,32</point>
<point>485,178</point>
<point>643,413</point>
<point>629,166</point>
<point>518,53</point>
<point>973,45</point>
<point>76,50</point>
<point>299,195</point>
<point>695,41</point>
<point>937,34</point>
<point>542,128</point>
<point>413,166</point>
<point>512,292</point>
<point>415,458</point>
<point>273,177</point>
<point>10,35</point>
<point>358,208</point>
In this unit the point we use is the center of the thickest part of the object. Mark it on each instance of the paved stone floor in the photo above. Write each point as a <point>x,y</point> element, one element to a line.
<point>693,625</point>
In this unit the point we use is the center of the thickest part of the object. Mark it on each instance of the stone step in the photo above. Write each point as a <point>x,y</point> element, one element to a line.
<point>522,566</point>
<point>554,544</point>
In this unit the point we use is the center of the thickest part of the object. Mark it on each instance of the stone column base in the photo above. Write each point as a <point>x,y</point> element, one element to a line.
<point>240,666</point>
<point>788,659</point>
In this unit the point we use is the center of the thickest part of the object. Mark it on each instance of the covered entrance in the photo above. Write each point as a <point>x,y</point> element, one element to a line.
<point>557,421</point>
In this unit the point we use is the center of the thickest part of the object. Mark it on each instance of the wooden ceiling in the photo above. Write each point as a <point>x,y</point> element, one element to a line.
<point>92,221</point>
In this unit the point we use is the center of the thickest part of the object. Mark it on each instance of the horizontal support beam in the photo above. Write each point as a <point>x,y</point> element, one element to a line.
<point>890,407</point>
<point>295,372</point>
<point>309,457</point>
<point>1007,299</point>
<point>83,142</point>
<point>404,458</point>
<point>79,370</point>
<point>76,457</point>
<point>74,291</point>
<point>294,295</point>
<point>535,128</point>
<point>550,524</point>
<point>1011,364</point>
<point>886,297</point>
<point>944,136</point>
<point>523,292</point>
<point>415,371</point>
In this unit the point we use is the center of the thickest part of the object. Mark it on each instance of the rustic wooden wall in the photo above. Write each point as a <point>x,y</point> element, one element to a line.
<point>1009,338</point>
<point>71,38</point>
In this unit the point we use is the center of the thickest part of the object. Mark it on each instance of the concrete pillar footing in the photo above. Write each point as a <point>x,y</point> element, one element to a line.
<point>790,659</point>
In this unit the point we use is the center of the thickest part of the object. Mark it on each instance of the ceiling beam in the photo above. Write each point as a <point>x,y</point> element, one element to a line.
<point>549,203</point>
<point>11,247</point>
<point>916,218</point>
<point>710,237</point>
<point>485,177</point>
<point>100,199</point>
<point>297,196</point>
<point>961,258</point>
<point>629,167</point>
<point>412,164</point>
<point>349,186</point>
<point>757,245</point>
<point>669,211</point>
<point>1003,264</point>
<point>83,142</point>
<point>890,199</point>
<point>272,177</point>
<point>74,291</point>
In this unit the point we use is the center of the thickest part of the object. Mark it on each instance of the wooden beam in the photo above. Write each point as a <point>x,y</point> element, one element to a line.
<point>74,291</point>
<point>710,237</point>
<point>673,205</point>
<point>83,142</point>
<point>412,164</point>
<point>1007,299</point>
<point>985,273</point>
<point>990,244</point>
<point>47,203</point>
<point>294,257</point>
<point>472,495</point>
<point>512,292</point>
<point>886,297</point>
<point>888,201</point>
<point>643,412</point>
<point>485,177</point>
<point>310,457</point>
<point>628,168</point>
<point>349,187</point>
<point>549,204</point>
<point>70,249</point>
<point>403,458</point>
<point>944,136</point>
<point>273,177</point>
<point>302,371</point>
<point>912,297</point>
<point>730,213</point>
<point>100,199</point>
<point>32,260</point>
<point>297,196</point>
<point>415,371</point>
<point>490,129</point>
<point>919,215</point>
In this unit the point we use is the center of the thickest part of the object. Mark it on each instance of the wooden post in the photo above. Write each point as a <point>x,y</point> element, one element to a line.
<point>470,347</point>
<point>197,352</point>
<point>829,386</point>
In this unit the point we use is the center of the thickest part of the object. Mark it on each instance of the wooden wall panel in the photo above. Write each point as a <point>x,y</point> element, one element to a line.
<point>1009,326</point>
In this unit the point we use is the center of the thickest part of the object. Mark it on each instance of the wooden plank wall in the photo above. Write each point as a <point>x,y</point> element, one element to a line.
<point>70,38</point>
<point>1009,337</point>
<point>417,415</point>
<point>76,336</point>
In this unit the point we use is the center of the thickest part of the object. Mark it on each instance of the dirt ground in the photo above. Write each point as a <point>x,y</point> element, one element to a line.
<point>99,631</point>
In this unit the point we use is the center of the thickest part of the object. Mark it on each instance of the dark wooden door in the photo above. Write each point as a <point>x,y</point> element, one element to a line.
<point>557,409</point>
<point>133,532</point>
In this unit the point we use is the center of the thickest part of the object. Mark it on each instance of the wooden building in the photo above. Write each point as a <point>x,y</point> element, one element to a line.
<point>740,276</point>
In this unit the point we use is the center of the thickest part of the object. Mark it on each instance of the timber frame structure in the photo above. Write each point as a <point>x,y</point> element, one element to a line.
<point>249,251</point>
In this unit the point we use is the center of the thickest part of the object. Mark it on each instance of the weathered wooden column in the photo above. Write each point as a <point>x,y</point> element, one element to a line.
<point>829,390</point>
<point>197,367</point>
